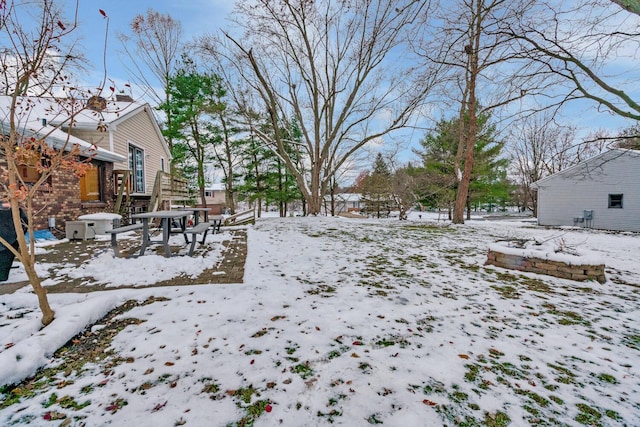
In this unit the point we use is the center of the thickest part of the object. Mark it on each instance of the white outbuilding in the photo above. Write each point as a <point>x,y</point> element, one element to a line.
<point>602,192</point>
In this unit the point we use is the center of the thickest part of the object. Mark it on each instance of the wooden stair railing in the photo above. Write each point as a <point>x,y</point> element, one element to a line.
<point>167,189</point>
<point>122,180</point>
<point>241,218</point>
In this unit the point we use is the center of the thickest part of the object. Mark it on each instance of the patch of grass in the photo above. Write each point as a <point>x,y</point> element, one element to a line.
<point>373,419</point>
<point>632,341</point>
<point>211,388</point>
<point>68,402</point>
<point>330,415</point>
<point>86,347</point>
<point>472,372</point>
<point>254,411</point>
<point>244,394</point>
<point>612,414</point>
<point>508,369</point>
<point>333,401</point>
<point>498,419</point>
<point>507,291</point>
<point>433,387</point>
<point>262,332</point>
<point>459,397</point>
<point>541,401</point>
<point>566,317</point>
<point>608,378</point>
<point>556,399</point>
<point>323,290</point>
<point>292,348</point>
<point>303,369</point>
<point>388,342</point>
<point>365,367</point>
<point>588,415</point>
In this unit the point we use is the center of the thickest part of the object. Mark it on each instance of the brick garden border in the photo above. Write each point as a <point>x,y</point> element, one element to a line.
<point>560,269</point>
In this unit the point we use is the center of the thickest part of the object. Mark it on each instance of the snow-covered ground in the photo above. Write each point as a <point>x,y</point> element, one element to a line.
<point>347,322</point>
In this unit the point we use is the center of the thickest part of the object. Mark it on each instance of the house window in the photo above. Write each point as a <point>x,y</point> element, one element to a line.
<point>615,201</point>
<point>30,173</point>
<point>90,185</point>
<point>136,165</point>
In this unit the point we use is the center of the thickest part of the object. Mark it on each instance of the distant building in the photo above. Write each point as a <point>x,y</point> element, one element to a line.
<point>216,197</point>
<point>345,202</point>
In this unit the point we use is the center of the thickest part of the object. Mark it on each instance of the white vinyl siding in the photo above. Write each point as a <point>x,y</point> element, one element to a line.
<point>138,130</point>
<point>588,186</point>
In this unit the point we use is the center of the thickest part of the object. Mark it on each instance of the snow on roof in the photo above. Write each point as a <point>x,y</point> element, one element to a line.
<point>215,187</point>
<point>44,118</point>
<point>602,157</point>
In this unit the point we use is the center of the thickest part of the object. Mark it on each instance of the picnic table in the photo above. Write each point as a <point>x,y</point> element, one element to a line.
<point>196,213</point>
<point>216,222</point>
<point>166,219</point>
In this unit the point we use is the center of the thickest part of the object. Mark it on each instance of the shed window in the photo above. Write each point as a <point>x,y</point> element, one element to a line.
<point>615,201</point>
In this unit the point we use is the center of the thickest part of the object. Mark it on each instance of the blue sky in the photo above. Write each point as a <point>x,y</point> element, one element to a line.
<point>197,17</point>
<point>204,16</point>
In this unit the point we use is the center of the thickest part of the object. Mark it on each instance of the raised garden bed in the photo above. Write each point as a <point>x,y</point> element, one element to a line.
<point>545,258</point>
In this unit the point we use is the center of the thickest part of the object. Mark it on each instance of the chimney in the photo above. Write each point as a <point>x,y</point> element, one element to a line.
<point>121,97</point>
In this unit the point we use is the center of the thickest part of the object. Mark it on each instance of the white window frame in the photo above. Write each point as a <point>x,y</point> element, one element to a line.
<point>137,168</point>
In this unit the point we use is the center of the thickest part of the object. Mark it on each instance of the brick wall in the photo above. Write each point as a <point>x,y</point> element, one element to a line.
<point>61,198</point>
<point>545,266</point>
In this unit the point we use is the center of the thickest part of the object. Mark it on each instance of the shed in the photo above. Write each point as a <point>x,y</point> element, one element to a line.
<point>602,192</point>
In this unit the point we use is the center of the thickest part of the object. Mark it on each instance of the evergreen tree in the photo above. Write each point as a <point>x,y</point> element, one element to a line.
<point>488,183</point>
<point>377,189</point>
<point>193,99</point>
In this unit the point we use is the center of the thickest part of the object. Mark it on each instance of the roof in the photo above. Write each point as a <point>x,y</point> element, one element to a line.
<point>43,118</point>
<point>346,197</point>
<point>595,160</point>
<point>215,187</point>
<point>115,113</point>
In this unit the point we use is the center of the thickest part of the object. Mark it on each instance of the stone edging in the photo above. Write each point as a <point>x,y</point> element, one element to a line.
<point>545,266</point>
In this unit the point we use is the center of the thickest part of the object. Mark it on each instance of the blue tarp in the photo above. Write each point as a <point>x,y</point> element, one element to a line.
<point>42,235</point>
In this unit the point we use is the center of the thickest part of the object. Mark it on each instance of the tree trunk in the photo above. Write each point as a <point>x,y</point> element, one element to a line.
<point>471,129</point>
<point>47,313</point>
<point>26,255</point>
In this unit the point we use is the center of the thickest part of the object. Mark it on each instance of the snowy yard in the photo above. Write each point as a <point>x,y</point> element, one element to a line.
<point>346,322</point>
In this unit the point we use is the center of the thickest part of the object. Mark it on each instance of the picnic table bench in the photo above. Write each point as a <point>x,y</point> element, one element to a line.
<point>115,231</point>
<point>202,227</point>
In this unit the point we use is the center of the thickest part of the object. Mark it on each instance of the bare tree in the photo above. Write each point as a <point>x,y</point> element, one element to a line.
<point>153,50</point>
<point>484,72</point>
<point>540,147</point>
<point>579,48</point>
<point>340,69</point>
<point>34,44</point>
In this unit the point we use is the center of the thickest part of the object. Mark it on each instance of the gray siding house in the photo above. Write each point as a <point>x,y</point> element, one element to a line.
<point>602,192</point>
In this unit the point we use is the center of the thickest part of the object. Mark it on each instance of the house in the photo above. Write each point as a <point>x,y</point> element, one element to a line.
<point>602,192</point>
<point>345,202</point>
<point>125,145</point>
<point>216,198</point>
